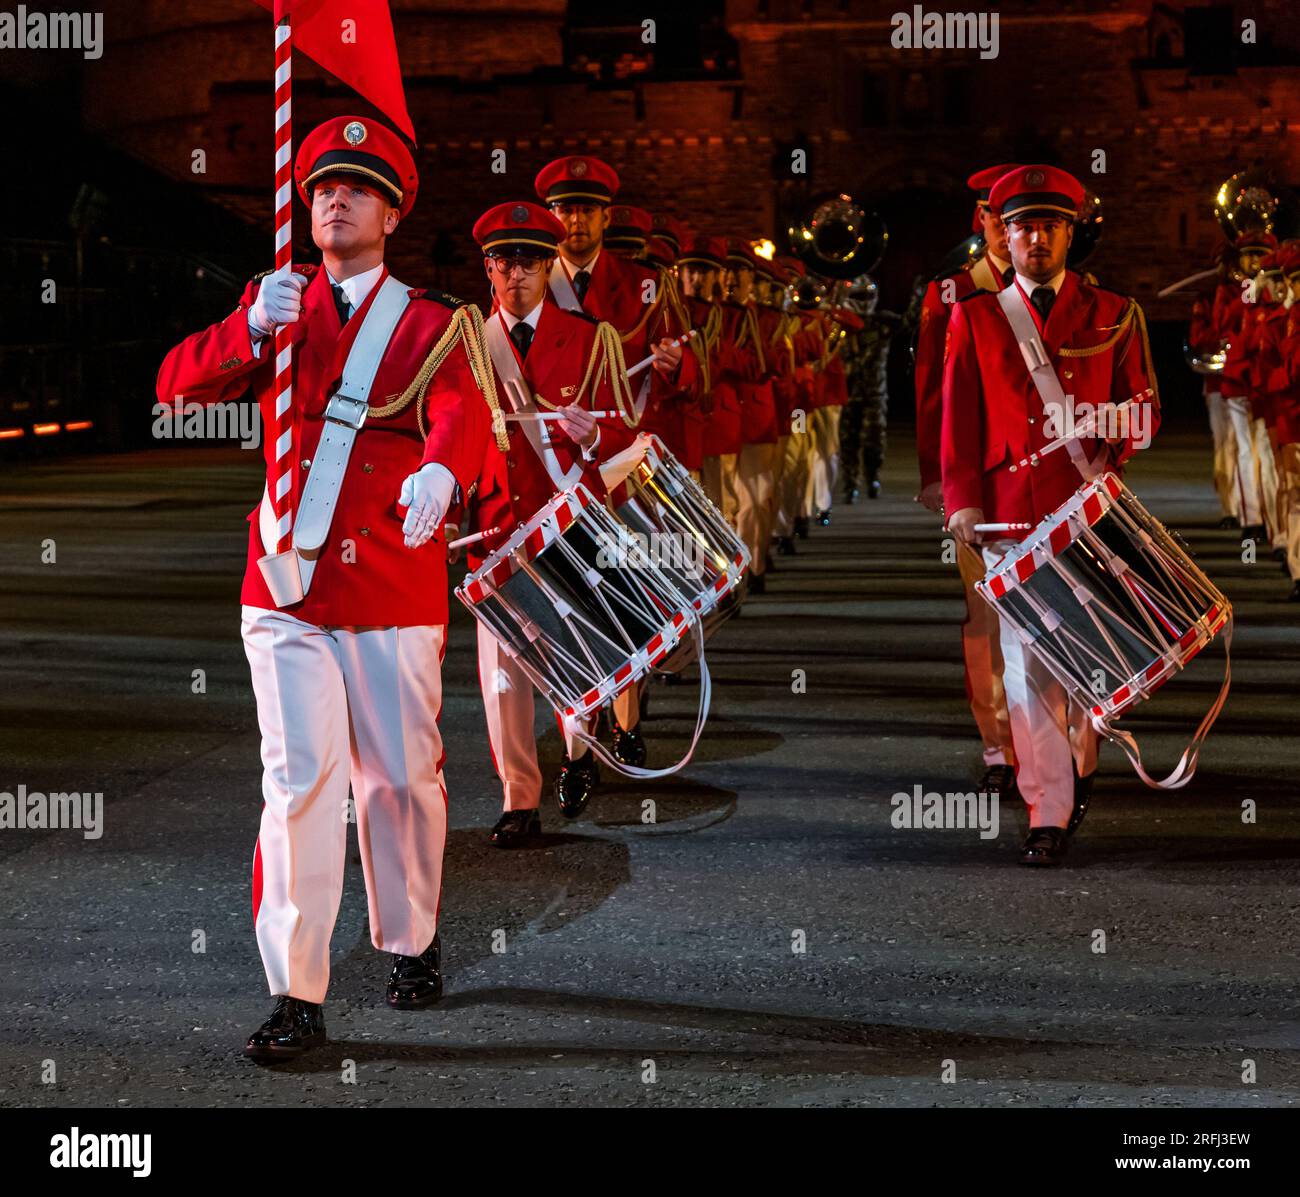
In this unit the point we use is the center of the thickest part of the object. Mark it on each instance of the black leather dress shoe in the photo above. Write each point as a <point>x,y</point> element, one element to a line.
<point>873,488</point>
<point>1229,521</point>
<point>516,827</point>
<point>416,980</point>
<point>851,493</point>
<point>575,783</point>
<point>1253,532</point>
<point>1082,797</point>
<point>628,745</point>
<point>785,546</point>
<point>757,583</point>
<point>1044,846</point>
<point>293,1028</point>
<point>1294,596</point>
<point>824,518</point>
<point>998,779</point>
<point>801,527</point>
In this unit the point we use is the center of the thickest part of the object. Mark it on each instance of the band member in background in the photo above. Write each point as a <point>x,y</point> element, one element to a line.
<point>756,461</point>
<point>699,271</point>
<point>347,676</point>
<point>804,329</point>
<point>994,416</point>
<point>1207,335</point>
<point>1236,379</point>
<point>627,295</point>
<point>731,365</point>
<point>980,641</point>
<point>548,352</point>
<point>840,323</point>
<point>1285,385</point>
<point>862,426</point>
<point>1267,325</point>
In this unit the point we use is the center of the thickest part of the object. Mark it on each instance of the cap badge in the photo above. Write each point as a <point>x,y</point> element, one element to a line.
<point>1035,178</point>
<point>354,133</point>
<point>579,167</point>
<point>519,214</point>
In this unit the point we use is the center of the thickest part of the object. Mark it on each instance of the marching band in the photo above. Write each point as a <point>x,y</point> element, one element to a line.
<point>418,420</point>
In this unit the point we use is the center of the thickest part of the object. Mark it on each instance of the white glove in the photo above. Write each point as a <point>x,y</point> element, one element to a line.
<point>426,495</point>
<point>279,301</point>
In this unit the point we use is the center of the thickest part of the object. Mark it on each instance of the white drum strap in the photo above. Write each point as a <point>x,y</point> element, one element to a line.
<point>701,717</point>
<point>519,392</point>
<point>1016,309</point>
<point>1186,766</point>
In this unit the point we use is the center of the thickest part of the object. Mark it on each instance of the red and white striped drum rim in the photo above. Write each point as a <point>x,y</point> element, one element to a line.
<point>525,543</point>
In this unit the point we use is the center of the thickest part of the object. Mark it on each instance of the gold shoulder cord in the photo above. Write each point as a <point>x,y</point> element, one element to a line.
<point>1132,313</point>
<point>751,318</point>
<point>1110,341</point>
<point>650,310</point>
<point>466,325</point>
<point>606,358</point>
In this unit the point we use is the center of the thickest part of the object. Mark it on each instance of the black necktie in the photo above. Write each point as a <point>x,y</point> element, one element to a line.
<point>522,336</point>
<point>1042,299</point>
<point>341,303</point>
<point>1007,275</point>
<point>581,280</point>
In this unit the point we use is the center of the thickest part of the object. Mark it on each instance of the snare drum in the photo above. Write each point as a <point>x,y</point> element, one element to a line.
<point>686,536</point>
<point>1109,601</point>
<point>585,613</point>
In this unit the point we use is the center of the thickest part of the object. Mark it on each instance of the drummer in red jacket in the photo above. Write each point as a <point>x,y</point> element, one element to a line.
<point>347,675</point>
<point>994,415</point>
<point>550,351</point>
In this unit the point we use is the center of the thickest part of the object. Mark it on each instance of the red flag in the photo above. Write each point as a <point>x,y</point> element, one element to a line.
<point>353,40</point>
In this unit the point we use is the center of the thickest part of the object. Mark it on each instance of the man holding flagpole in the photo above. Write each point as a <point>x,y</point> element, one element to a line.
<point>345,630</point>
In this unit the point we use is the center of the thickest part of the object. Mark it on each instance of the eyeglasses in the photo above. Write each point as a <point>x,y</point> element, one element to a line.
<point>503,266</point>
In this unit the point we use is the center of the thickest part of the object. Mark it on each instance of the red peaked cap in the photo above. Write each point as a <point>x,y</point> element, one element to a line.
<point>1255,239</point>
<point>359,146</point>
<point>629,227</point>
<point>704,251</point>
<point>1037,190</point>
<point>741,253</point>
<point>670,229</point>
<point>579,179</point>
<point>659,251</point>
<point>790,266</point>
<point>521,226</point>
<point>981,182</point>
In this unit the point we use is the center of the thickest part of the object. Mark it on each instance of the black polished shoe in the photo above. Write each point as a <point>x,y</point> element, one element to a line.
<point>785,546</point>
<point>824,518</point>
<point>998,779</point>
<point>293,1028</point>
<point>757,583</point>
<point>873,488</point>
<point>575,783</point>
<point>1082,797</point>
<point>516,827</point>
<point>801,527</point>
<point>1253,532</point>
<point>1229,522</point>
<point>628,745</point>
<point>1044,847</point>
<point>851,493</point>
<point>1294,596</point>
<point>416,981</point>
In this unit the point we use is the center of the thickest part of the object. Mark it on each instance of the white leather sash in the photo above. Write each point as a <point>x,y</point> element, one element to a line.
<point>344,416</point>
<point>520,395</point>
<point>562,287</point>
<point>1016,309</point>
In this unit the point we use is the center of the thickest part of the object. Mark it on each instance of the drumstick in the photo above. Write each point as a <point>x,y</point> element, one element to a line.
<point>1082,429</point>
<point>1003,527</point>
<point>649,361</point>
<point>455,544</point>
<point>555,415</point>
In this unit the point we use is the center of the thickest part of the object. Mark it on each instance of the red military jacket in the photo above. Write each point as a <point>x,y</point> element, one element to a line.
<point>1270,330</point>
<point>735,362</point>
<point>759,424</point>
<point>835,391</point>
<point>1236,324</point>
<point>930,338</point>
<point>1284,381</point>
<point>782,362</point>
<point>672,412</point>
<point>365,574</point>
<point>993,416</point>
<point>512,487</point>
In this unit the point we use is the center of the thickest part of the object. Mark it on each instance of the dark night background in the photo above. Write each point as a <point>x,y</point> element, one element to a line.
<point>700,124</point>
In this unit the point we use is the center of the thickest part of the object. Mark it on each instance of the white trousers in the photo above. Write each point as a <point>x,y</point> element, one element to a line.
<point>1225,452</point>
<point>824,425</point>
<point>1050,732</point>
<point>718,477</point>
<point>1268,484</point>
<point>789,505</point>
<point>755,482</point>
<point>338,706</point>
<point>1246,468</point>
<point>508,696</point>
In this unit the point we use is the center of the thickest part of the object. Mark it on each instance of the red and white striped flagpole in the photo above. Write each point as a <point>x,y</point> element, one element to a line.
<point>282,432</point>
